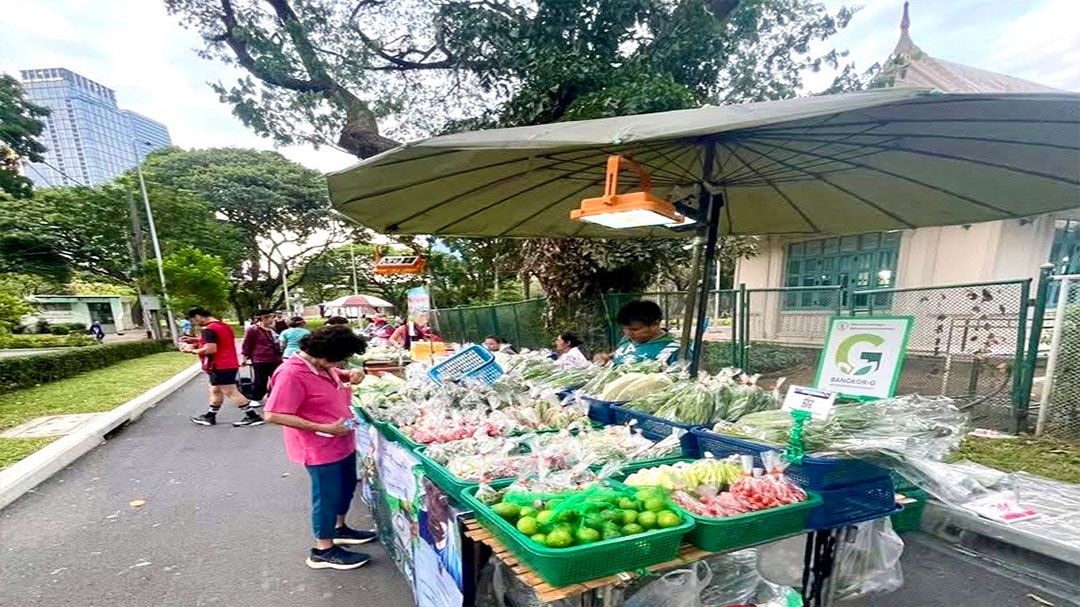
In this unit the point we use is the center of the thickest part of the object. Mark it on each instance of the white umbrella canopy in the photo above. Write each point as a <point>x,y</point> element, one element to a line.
<point>877,160</point>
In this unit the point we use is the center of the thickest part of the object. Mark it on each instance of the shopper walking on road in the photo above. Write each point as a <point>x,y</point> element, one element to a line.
<point>217,349</point>
<point>262,351</point>
<point>289,339</point>
<point>310,397</point>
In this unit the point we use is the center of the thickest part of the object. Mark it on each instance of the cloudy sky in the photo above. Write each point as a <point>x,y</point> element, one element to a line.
<point>137,49</point>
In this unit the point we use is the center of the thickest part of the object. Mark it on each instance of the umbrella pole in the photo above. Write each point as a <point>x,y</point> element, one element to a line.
<point>688,302</point>
<point>712,234</point>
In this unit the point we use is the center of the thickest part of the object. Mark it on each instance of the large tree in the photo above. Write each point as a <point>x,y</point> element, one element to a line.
<point>20,125</point>
<point>278,209</point>
<point>89,228</point>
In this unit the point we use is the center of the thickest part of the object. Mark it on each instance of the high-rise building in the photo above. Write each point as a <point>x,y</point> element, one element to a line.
<point>89,139</point>
<point>149,134</point>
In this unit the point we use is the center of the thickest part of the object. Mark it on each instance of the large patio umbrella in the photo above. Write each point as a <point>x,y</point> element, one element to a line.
<point>878,160</point>
<point>354,305</point>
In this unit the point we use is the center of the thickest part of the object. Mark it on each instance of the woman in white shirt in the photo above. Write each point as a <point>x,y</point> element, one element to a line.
<point>568,347</point>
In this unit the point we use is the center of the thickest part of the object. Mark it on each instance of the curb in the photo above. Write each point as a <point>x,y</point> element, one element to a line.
<point>33,470</point>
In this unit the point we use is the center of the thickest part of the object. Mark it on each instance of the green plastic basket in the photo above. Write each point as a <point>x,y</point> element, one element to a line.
<point>752,528</point>
<point>566,566</point>
<point>910,518</point>
<point>393,433</point>
<point>445,479</point>
<point>742,530</point>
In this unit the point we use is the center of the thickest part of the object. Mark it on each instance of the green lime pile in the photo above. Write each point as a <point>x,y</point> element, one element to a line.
<point>583,517</point>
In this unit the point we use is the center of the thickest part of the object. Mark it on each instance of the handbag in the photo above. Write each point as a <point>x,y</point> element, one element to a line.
<point>245,381</point>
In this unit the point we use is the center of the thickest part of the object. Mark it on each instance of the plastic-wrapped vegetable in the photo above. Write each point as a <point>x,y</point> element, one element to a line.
<point>907,426</point>
<point>610,372</point>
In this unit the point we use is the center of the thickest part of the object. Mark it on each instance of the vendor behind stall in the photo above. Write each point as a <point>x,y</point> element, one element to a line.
<point>643,337</point>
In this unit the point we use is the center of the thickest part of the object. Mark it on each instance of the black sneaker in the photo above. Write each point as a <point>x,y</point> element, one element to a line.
<point>344,536</point>
<point>336,558</point>
<point>206,419</point>
<point>251,419</point>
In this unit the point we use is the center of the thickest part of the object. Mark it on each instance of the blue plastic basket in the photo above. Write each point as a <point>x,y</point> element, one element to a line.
<point>657,428</point>
<point>856,503</point>
<point>817,473</point>
<point>600,410</point>
<point>473,362</point>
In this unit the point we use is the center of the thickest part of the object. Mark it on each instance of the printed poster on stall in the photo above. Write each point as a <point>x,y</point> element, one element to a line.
<point>418,302</point>
<point>863,356</point>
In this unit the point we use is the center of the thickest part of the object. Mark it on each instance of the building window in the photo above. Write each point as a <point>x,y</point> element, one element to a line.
<point>860,261</point>
<point>55,307</point>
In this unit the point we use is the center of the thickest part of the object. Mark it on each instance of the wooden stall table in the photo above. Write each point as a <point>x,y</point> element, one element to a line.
<point>817,569</point>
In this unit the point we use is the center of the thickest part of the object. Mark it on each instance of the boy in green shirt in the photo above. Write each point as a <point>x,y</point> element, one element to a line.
<point>643,338</point>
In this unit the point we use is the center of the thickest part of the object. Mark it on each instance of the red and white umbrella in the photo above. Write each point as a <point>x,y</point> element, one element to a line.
<point>355,305</point>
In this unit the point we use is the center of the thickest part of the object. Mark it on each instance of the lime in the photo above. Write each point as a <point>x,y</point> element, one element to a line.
<point>654,504</point>
<point>587,535</point>
<point>544,516</point>
<point>610,514</point>
<point>559,538</point>
<point>647,520</point>
<point>528,525</point>
<point>626,503</point>
<point>628,516</point>
<point>632,529</point>
<point>644,494</point>
<point>593,521</point>
<point>667,518</point>
<point>539,538</point>
<point>506,510</point>
<point>527,511</point>
<point>610,534</point>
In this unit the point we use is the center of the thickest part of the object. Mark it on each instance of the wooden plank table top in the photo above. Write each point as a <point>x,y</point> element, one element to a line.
<point>546,592</point>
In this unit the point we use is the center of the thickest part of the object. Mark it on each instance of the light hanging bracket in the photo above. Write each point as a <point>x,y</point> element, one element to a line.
<point>629,210</point>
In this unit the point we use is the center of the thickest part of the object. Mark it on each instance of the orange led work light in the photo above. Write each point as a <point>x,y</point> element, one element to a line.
<point>629,210</point>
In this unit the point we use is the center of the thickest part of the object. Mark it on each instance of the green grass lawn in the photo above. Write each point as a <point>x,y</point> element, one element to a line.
<point>14,449</point>
<point>1049,458</point>
<point>90,392</point>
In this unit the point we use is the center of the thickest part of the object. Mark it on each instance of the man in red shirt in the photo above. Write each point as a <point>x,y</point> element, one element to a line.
<point>217,349</point>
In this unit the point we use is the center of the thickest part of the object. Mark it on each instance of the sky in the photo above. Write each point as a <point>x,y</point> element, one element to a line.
<point>137,49</point>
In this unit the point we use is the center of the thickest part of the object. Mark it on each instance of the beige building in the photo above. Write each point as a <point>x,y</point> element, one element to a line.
<point>990,251</point>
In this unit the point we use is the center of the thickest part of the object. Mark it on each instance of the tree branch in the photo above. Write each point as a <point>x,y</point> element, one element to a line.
<point>235,40</point>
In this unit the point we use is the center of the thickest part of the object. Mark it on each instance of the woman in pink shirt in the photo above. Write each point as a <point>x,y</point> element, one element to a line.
<point>310,397</point>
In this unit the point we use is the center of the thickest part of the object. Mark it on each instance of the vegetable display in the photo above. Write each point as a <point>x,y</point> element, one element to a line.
<point>609,373</point>
<point>722,488</point>
<point>595,514</point>
<point>706,400</point>
<point>904,426</point>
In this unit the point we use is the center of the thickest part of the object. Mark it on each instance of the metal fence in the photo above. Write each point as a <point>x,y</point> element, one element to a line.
<point>1059,403</point>
<point>521,323</point>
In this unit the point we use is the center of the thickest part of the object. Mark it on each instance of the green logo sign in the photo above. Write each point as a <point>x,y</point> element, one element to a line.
<point>868,362</point>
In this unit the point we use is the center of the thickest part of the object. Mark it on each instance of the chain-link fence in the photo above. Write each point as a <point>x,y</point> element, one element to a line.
<point>1059,405</point>
<point>967,342</point>
<point>521,323</point>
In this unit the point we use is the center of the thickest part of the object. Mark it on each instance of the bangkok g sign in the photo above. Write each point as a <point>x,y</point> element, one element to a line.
<point>863,356</point>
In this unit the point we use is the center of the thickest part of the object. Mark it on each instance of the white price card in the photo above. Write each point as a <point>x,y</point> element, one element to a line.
<point>819,403</point>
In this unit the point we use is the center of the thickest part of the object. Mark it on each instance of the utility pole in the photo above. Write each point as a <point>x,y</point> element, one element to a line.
<point>157,248</point>
<point>138,258</point>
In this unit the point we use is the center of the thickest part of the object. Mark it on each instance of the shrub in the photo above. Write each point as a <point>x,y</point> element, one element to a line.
<point>44,340</point>
<point>314,323</point>
<point>25,371</point>
<point>764,358</point>
<point>59,330</point>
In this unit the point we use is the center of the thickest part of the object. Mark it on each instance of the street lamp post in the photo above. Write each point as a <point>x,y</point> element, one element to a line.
<point>157,245</point>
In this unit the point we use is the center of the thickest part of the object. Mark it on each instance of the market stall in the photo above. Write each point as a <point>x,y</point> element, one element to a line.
<point>881,160</point>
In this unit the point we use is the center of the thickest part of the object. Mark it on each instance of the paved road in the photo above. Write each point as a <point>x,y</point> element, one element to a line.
<point>225,524</point>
